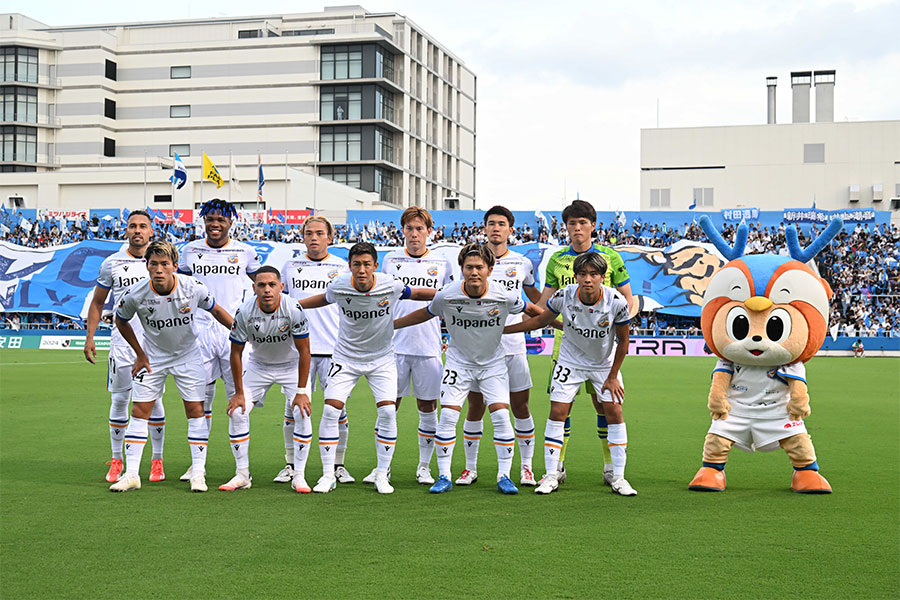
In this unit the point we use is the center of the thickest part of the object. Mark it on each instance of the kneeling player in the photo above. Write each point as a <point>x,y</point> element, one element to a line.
<point>166,305</point>
<point>591,311</point>
<point>279,332</point>
<point>474,312</point>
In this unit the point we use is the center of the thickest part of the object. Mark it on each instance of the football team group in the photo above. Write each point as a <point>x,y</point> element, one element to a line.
<point>190,314</point>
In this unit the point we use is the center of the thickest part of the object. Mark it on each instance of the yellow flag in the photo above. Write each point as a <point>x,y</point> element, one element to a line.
<point>210,173</point>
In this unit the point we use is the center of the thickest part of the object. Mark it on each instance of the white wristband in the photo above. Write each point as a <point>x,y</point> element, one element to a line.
<point>304,390</point>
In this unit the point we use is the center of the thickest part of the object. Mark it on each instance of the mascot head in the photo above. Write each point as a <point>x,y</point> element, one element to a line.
<point>764,309</point>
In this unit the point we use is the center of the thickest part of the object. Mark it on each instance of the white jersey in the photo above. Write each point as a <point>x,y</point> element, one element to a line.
<point>170,334</point>
<point>304,277</point>
<point>589,334</point>
<point>475,325</point>
<point>272,334</point>
<point>427,271</point>
<point>367,318</point>
<point>118,272</point>
<point>224,270</point>
<point>514,272</point>
<point>760,392</point>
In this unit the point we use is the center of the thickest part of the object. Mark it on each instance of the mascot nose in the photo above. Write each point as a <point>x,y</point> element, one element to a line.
<point>758,303</point>
<point>757,338</point>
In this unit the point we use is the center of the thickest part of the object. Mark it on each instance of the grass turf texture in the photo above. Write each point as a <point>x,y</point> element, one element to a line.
<point>65,535</point>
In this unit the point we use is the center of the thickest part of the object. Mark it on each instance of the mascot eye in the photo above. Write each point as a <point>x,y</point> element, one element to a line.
<point>737,324</point>
<point>778,325</point>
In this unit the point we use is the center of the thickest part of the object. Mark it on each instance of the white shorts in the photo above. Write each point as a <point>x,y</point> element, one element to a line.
<point>518,373</point>
<point>381,375</point>
<point>190,379</point>
<point>567,379</point>
<point>215,350</point>
<point>424,372</point>
<point>760,435</point>
<point>259,378</point>
<point>457,382</point>
<point>121,359</point>
<point>318,366</point>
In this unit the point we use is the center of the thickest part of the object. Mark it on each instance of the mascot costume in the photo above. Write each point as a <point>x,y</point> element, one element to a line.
<point>764,316</point>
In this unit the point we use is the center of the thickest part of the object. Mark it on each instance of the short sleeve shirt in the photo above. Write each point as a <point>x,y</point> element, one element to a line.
<point>760,392</point>
<point>271,334</point>
<point>589,335</point>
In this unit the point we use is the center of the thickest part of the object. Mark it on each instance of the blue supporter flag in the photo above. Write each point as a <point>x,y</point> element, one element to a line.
<point>179,178</point>
<point>261,180</point>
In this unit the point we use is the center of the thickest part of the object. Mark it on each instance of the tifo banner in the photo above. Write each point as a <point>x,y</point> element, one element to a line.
<point>288,217</point>
<point>637,346</point>
<point>61,279</point>
<point>824,217</point>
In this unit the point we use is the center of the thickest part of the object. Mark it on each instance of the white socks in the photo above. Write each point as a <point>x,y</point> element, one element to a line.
<point>301,439</point>
<point>525,437</point>
<point>427,428</point>
<point>618,440</point>
<point>118,421</point>
<point>385,436</point>
<point>135,440</point>
<point>343,434</point>
<point>472,431</point>
<point>445,440</point>
<point>328,438</point>
<point>239,436</point>
<point>198,440</point>
<point>504,441</point>
<point>157,425</point>
<point>553,442</point>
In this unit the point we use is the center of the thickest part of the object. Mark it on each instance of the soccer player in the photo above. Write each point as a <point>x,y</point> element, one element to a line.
<point>580,220</point>
<point>279,333</point>
<point>304,276</point>
<point>474,312</point>
<point>515,272</point>
<point>418,349</point>
<point>859,350</point>
<point>224,265</point>
<point>592,313</point>
<point>366,300</point>
<point>118,272</point>
<point>166,306</point>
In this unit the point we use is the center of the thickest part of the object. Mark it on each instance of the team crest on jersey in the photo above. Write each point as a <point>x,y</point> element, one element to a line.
<point>494,312</point>
<point>333,273</point>
<point>603,322</point>
<point>432,271</point>
<point>511,272</point>
<point>384,302</point>
<point>284,327</point>
<point>184,309</point>
<point>233,259</point>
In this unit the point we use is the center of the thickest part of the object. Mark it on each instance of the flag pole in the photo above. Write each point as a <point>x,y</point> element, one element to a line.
<point>145,178</point>
<point>201,179</point>
<point>285,182</point>
<point>230,175</point>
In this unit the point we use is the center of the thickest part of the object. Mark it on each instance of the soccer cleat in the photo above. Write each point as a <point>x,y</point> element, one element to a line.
<point>561,473</point>
<point>506,486</point>
<point>115,469</point>
<point>299,484</point>
<point>809,482</point>
<point>383,484</point>
<point>187,474</point>
<point>325,484</point>
<point>442,485</point>
<point>285,475</point>
<point>423,476</point>
<point>708,479</point>
<point>126,483</point>
<point>370,478</point>
<point>156,470</point>
<point>342,474</point>
<point>621,487</point>
<point>527,478</point>
<point>549,484</point>
<point>198,483</point>
<point>467,477</point>
<point>607,475</point>
<point>238,482</point>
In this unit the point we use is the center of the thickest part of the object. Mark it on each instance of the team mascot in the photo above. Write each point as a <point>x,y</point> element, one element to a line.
<point>764,316</point>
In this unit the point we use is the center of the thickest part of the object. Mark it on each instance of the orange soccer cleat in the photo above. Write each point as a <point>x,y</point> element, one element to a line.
<point>708,479</point>
<point>806,481</point>
<point>115,469</point>
<point>156,470</point>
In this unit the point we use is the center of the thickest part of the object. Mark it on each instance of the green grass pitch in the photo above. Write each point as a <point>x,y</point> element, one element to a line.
<point>65,536</point>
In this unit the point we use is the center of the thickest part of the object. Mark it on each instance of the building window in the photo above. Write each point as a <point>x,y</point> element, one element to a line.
<point>19,64</point>
<point>245,34</point>
<point>347,175</point>
<point>384,185</point>
<point>340,144</point>
<point>109,147</point>
<point>111,68</point>
<point>659,198</point>
<point>299,32</point>
<point>18,144</point>
<point>384,104</point>
<point>813,153</point>
<point>384,144</point>
<point>384,64</point>
<point>341,62</point>
<point>183,72</point>
<point>703,196</point>
<point>109,108</point>
<point>179,111</point>
<point>181,149</point>
<point>341,103</point>
<point>19,104</point>
<point>162,197</point>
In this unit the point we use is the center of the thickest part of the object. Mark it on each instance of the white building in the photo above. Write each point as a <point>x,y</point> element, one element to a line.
<point>776,166</point>
<point>367,100</point>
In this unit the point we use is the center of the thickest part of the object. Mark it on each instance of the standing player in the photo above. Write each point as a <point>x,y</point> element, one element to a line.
<point>591,312</point>
<point>223,265</point>
<point>365,299</point>
<point>305,276</point>
<point>165,305</point>
<point>474,312</point>
<point>580,220</point>
<point>117,273</point>
<point>418,349</point>
<point>278,331</point>
<point>514,272</point>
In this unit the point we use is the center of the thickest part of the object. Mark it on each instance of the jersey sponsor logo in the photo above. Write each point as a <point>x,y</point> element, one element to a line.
<point>793,424</point>
<point>357,315</point>
<point>308,284</point>
<point>589,333</point>
<point>201,270</point>
<point>128,281</point>
<point>161,324</point>
<point>739,388</point>
<point>509,284</point>
<point>427,282</point>
<point>474,323</point>
<point>269,339</point>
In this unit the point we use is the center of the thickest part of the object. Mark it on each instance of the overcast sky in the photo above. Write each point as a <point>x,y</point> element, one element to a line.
<point>564,88</point>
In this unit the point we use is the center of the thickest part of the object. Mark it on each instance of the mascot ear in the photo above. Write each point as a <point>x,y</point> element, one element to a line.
<point>740,239</point>
<point>804,256</point>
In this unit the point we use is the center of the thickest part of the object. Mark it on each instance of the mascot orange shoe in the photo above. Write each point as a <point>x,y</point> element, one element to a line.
<point>764,316</point>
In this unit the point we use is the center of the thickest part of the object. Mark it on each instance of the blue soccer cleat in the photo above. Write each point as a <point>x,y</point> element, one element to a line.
<point>506,486</point>
<point>442,485</point>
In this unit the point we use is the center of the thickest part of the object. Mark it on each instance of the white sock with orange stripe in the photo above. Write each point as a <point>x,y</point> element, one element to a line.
<point>135,440</point>
<point>288,431</point>
<point>239,436</point>
<point>343,434</point>
<point>553,442</point>
<point>427,428</point>
<point>472,431</point>
<point>445,440</point>
<point>198,440</point>
<point>157,425</point>
<point>618,441</point>
<point>328,438</point>
<point>504,441</point>
<point>385,436</point>
<point>207,405</point>
<point>525,437</point>
<point>301,438</point>
<point>118,421</point>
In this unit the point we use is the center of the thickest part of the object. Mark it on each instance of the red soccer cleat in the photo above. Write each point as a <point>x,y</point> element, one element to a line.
<point>115,469</point>
<point>156,470</point>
